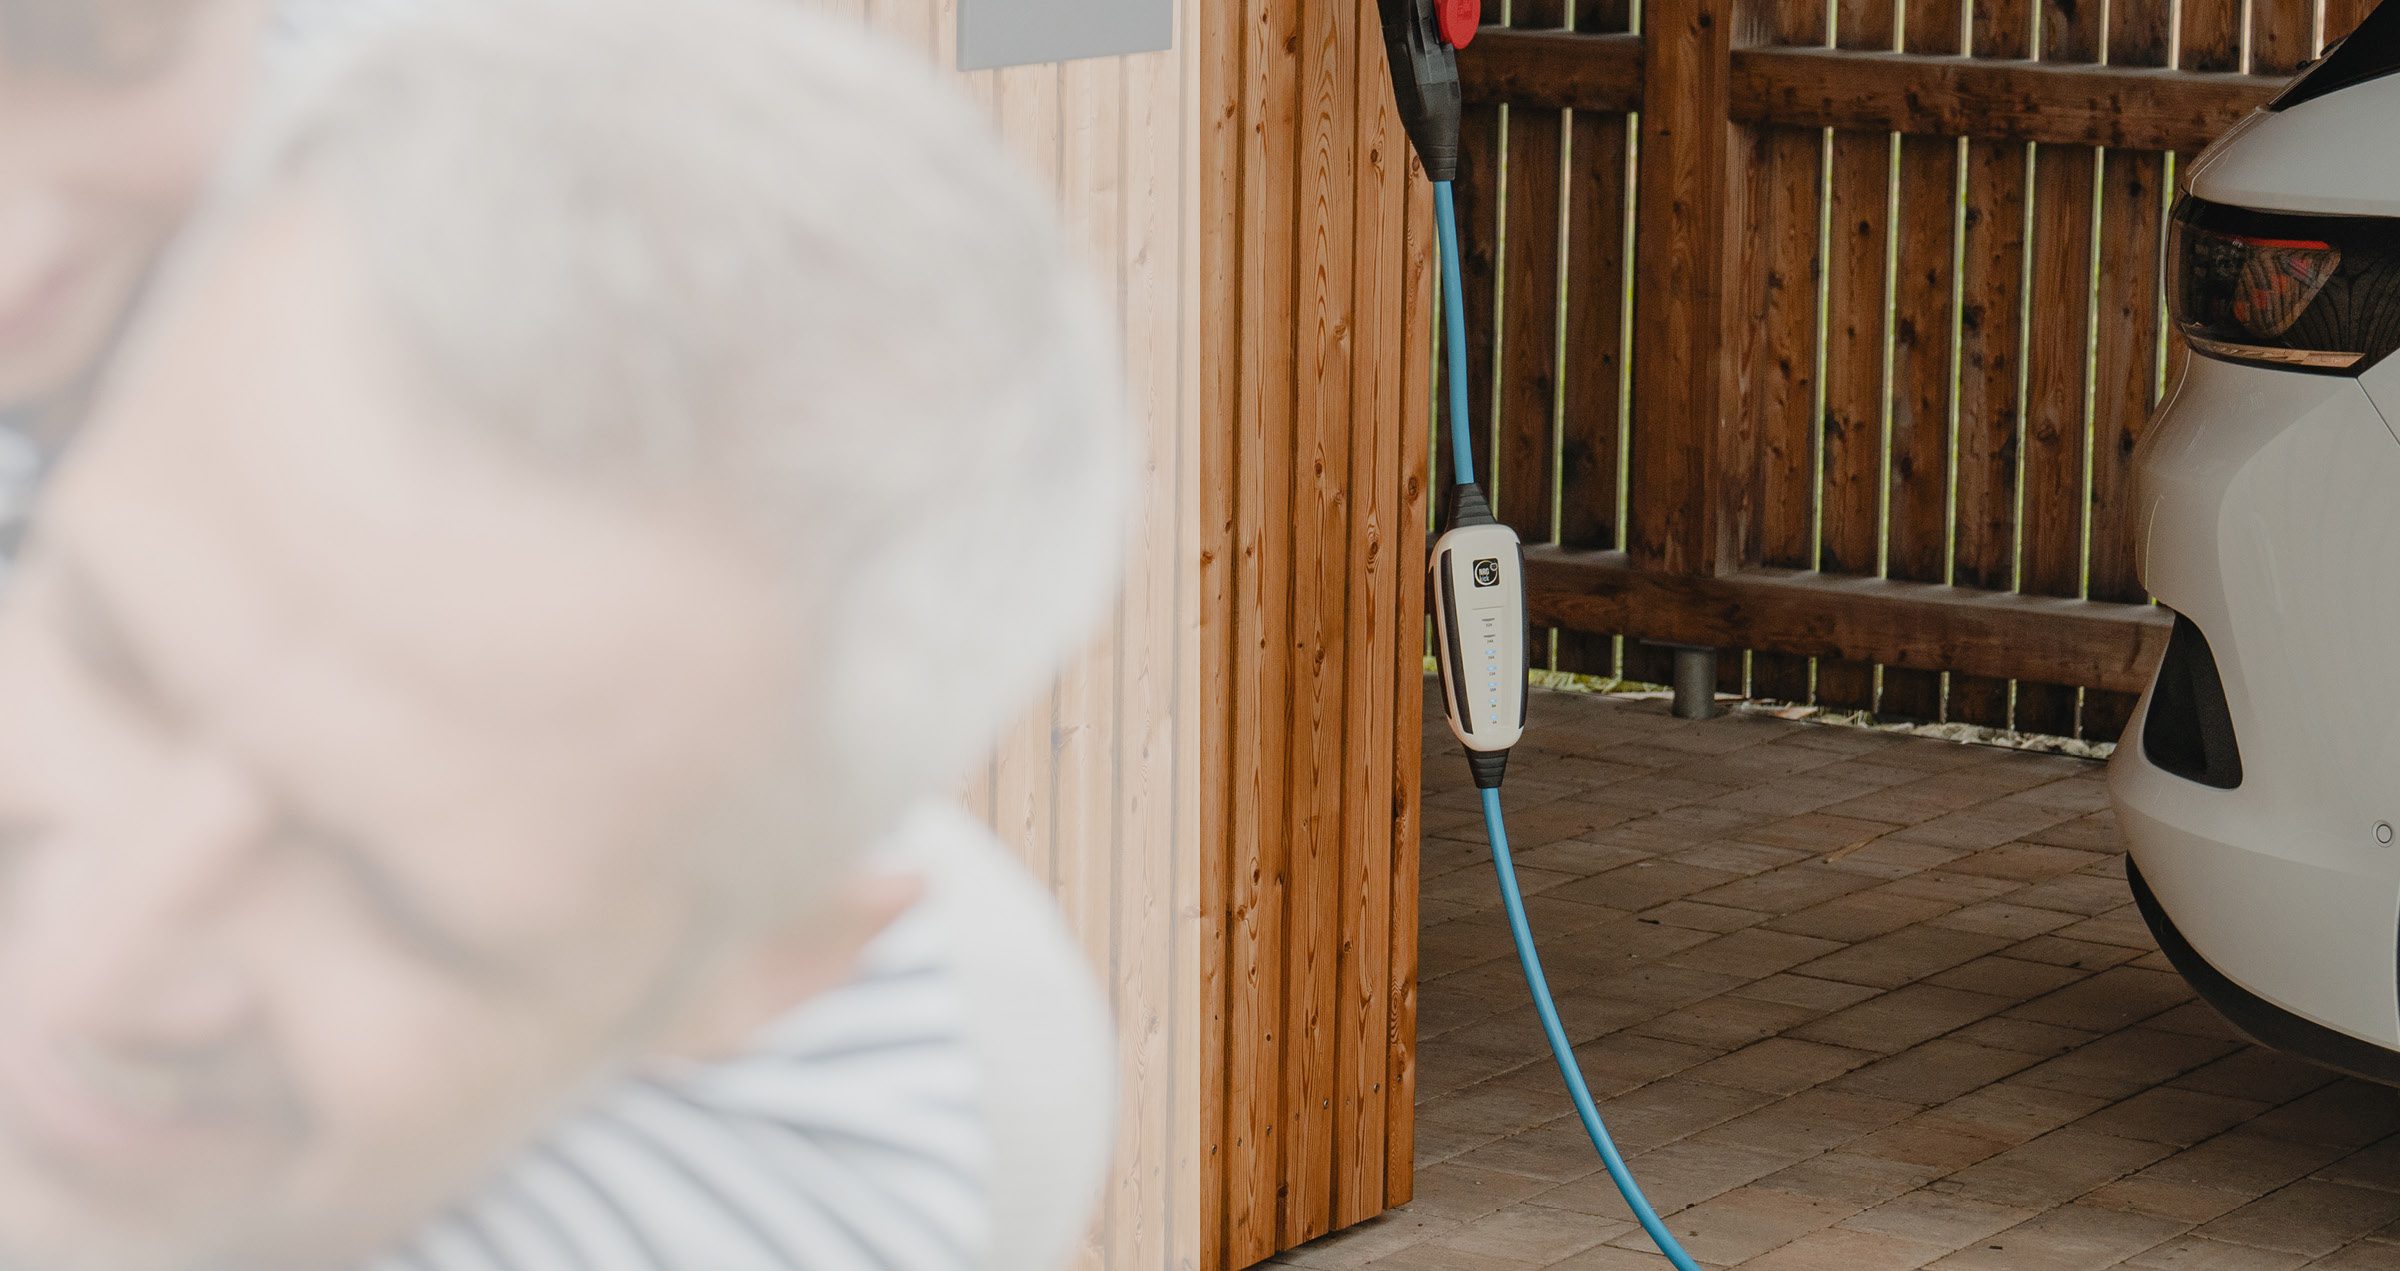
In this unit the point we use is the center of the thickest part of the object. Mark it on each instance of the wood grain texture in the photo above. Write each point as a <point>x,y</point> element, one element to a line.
<point>2213,36</point>
<point>1679,384</point>
<point>1592,394</point>
<point>2053,102</point>
<point>1991,311</point>
<point>1325,201</point>
<point>1964,414</point>
<point>1924,625</point>
<point>1857,315</point>
<point>1258,849</point>
<point>1221,126</point>
<point>1681,398</point>
<point>2283,35</point>
<point>1597,67</point>
<point>1785,171</point>
<point>2342,17</point>
<point>1313,507</point>
<point>1924,316</point>
<point>1411,510</point>
<point>2053,518</point>
<point>1379,636</point>
<point>1860,89</point>
<point>1524,423</point>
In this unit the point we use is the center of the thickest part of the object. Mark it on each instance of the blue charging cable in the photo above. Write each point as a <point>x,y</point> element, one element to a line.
<point>1462,450</point>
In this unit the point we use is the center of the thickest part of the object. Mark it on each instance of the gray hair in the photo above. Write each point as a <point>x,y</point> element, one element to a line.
<point>736,248</point>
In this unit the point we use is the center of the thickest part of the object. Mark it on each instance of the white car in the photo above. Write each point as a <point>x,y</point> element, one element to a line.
<point>2259,784</point>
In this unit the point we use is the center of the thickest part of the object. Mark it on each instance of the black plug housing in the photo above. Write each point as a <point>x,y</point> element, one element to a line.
<point>1466,506</point>
<point>1425,83</point>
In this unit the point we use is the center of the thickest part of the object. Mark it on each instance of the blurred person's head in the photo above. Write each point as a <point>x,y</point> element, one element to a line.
<point>599,465</point>
<point>111,115</point>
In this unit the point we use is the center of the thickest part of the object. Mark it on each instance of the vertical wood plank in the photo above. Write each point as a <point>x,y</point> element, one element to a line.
<point>1223,150</point>
<point>943,46</point>
<point>1917,540</point>
<point>1377,637</point>
<point>1260,832</point>
<point>1151,158</point>
<point>1787,180</point>
<point>1408,696</point>
<point>2125,364</point>
<point>1593,387</point>
<point>2057,361</point>
<point>2343,16</point>
<point>2282,35</point>
<point>1223,143</point>
<point>1525,418</point>
<point>1318,251</point>
<point>1748,372</point>
<point>1682,525</point>
<point>2213,37</point>
<point>1992,290</point>
<point>1320,513</point>
<point>1857,271</point>
<point>1195,958</point>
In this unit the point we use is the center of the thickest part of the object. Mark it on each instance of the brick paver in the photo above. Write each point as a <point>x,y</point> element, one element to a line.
<point>1852,1002</point>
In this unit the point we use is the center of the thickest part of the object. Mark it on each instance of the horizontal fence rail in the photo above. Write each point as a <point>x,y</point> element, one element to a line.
<point>2130,108</point>
<point>1821,334</point>
<point>1927,626</point>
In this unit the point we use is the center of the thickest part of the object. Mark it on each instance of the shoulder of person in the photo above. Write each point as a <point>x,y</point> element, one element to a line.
<point>1036,1019</point>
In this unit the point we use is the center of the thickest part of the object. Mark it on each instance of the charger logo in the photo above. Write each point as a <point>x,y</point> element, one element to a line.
<point>1487,572</point>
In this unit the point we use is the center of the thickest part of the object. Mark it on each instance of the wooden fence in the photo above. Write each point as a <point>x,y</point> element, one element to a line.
<point>1823,329</point>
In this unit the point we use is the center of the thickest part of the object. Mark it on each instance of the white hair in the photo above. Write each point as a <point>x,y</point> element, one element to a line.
<point>737,248</point>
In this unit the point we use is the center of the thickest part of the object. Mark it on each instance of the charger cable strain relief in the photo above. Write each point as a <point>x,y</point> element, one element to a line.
<point>1468,507</point>
<point>1490,768</point>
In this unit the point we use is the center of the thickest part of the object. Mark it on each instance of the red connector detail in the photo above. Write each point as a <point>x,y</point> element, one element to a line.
<point>1459,20</point>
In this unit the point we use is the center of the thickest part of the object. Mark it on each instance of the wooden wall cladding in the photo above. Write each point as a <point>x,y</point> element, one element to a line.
<point>1315,301</point>
<point>1223,793</point>
<point>1098,787</point>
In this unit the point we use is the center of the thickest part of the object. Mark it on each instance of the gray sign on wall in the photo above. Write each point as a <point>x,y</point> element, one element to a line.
<point>1021,32</point>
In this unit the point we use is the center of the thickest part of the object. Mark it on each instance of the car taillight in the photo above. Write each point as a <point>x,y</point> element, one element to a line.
<point>2311,293</point>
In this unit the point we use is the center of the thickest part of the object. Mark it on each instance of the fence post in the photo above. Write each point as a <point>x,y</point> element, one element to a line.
<point>1689,462</point>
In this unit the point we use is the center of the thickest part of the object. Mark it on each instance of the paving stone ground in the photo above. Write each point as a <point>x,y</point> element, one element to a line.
<point>1851,1002</point>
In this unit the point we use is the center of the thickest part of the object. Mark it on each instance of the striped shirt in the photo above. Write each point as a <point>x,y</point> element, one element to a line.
<point>850,1135</point>
<point>950,1107</point>
<point>22,465</point>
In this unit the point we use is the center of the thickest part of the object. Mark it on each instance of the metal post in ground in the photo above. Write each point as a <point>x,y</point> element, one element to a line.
<point>1695,683</point>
